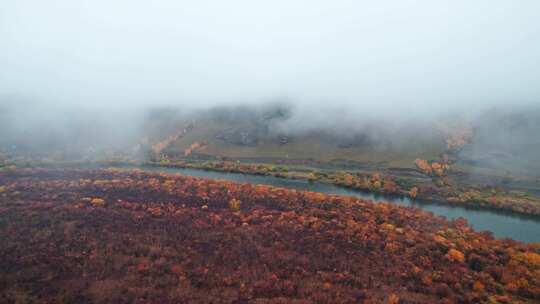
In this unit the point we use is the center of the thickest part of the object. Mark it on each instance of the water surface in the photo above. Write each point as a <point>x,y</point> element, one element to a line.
<point>501,224</point>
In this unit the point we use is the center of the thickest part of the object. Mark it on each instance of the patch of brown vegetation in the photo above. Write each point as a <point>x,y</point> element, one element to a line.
<point>175,239</point>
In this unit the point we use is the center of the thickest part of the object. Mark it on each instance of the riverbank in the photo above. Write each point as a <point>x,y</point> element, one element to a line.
<point>410,183</point>
<point>414,187</point>
<point>501,223</point>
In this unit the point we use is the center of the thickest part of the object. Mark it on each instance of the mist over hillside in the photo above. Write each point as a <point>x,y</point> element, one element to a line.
<point>371,82</point>
<point>507,139</point>
<point>503,139</point>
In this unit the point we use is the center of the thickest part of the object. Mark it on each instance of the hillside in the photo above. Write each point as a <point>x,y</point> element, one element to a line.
<point>109,236</point>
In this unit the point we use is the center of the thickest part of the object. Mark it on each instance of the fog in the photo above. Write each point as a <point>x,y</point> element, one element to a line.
<point>338,65</point>
<point>388,56</point>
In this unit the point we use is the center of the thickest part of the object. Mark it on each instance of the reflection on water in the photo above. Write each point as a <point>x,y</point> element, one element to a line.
<point>501,224</point>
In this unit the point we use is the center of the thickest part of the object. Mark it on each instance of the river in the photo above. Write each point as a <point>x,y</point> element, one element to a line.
<point>502,224</point>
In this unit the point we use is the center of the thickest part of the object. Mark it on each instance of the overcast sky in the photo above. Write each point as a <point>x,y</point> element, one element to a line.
<point>375,55</point>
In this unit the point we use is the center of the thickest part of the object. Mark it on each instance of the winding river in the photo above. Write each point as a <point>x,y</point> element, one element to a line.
<point>501,224</point>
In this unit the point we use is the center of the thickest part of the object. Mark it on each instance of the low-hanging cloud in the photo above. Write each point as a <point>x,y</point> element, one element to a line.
<point>77,75</point>
<point>390,57</point>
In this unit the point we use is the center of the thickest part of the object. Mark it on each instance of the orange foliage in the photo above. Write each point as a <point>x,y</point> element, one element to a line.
<point>455,255</point>
<point>177,234</point>
<point>531,258</point>
<point>162,145</point>
<point>478,286</point>
<point>235,204</point>
<point>194,147</point>
<point>389,186</point>
<point>393,299</point>
<point>435,168</point>
<point>158,148</point>
<point>97,202</point>
<point>413,192</point>
<point>423,166</point>
<point>156,211</point>
<point>348,180</point>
